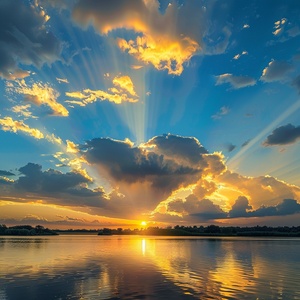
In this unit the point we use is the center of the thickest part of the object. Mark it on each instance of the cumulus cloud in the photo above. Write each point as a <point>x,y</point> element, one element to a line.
<point>166,40</point>
<point>283,135</point>
<point>178,147</point>
<point>168,177</point>
<point>24,39</point>
<point>240,207</point>
<point>287,207</point>
<point>260,190</point>
<point>276,71</point>
<point>130,164</point>
<point>8,124</point>
<point>155,169</point>
<point>39,94</point>
<point>122,91</point>
<point>53,186</point>
<point>201,209</point>
<point>236,82</point>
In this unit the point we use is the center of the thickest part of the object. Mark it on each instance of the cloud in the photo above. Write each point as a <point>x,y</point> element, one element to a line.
<point>157,43</point>
<point>163,54</point>
<point>279,26</point>
<point>296,83</point>
<point>62,80</point>
<point>276,71</point>
<point>6,173</point>
<point>169,177</point>
<point>72,147</point>
<point>178,147</point>
<point>126,163</point>
<point>239,55</point>
<point>39,94</point>
<point>201,209</point>
<point>261,190</point>
<point>230,147</point>
<point>240,207</point>
<point>165,40</point>
<point>123,91</point>
<point>294,31</point>
<point>52,138</point>
<point>246,143</point>
<point>25,39</point>
<point>23,110</point>
<point>8,124</point>
<point>52,186</point>
<point>283,135</point>
<point>125,83</point>
<point>224,110</point>
<point>236,82</point>
<point>287,207</point>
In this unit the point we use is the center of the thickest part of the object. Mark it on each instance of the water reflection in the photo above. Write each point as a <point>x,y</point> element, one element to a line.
<point>124,267</point>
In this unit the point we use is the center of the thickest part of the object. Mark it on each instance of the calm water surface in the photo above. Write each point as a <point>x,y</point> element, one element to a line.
<point>133,267</point>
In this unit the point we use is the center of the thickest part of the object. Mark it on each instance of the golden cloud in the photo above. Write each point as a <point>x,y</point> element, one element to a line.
<point>72,147</point>
<point>164,41</point>
<point>23,110</point>
<point>125,83</point>
<point>161,52</point>
<point>53,139</point>
<point>122,91</point>
<point>8,124</point>
<point>40,94</point>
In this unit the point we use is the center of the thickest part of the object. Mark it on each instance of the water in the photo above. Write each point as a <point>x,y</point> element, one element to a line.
<point>132,267</point>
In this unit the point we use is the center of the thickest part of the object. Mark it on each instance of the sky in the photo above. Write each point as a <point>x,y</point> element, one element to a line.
<point>114,113</point>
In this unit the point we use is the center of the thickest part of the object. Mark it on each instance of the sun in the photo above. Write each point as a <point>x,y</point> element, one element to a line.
<point>143,223</point>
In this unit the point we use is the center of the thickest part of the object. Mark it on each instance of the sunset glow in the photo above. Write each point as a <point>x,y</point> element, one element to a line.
<point>170,112</point>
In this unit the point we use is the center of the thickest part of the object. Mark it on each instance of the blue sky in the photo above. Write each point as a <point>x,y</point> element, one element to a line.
<point>165,112</point>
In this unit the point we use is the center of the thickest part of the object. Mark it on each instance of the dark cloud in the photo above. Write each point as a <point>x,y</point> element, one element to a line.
<point>57,187</point>
<point>276,71</point>
<point>24,38</point>
<point>240,207</point>
<point>6,173</point>
<point>296,83</point>
<point>182,148</point>
<point>286,207</point>
<point>130,164</point>
<point>203,209</point>
<point>236,82</point>
<point>229,147</point>
<point>207,210</point>
<point>283,135</point>
<point>245,143</point>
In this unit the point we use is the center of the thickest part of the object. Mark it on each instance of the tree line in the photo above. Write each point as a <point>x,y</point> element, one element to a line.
<point>178,230</point>
<point>25,230</point>
<point>210,230</point>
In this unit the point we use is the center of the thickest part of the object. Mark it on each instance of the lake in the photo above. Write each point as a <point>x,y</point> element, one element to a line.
<point>136,267</point>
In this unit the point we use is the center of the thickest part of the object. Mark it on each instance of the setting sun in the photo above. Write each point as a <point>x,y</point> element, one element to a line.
<point>143,223</point>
